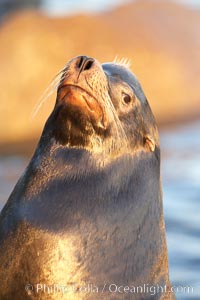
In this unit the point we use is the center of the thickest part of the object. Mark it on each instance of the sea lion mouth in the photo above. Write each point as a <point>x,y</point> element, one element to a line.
<point>84,90</point>
<point>82,100</point>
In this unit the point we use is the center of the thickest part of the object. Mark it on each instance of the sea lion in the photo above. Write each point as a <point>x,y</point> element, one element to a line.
<point>85,220</point>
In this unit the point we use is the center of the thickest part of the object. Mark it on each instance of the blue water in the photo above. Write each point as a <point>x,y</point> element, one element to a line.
<point>70,7</point>
<point>64,7</point>
<point>181,187</point>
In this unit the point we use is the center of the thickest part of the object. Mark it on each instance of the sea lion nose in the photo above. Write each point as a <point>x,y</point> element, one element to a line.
<point>84,63</point>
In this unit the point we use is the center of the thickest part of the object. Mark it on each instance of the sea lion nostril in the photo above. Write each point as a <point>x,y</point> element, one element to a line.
<point>80,61</point>
<point>84,63</point>
<point>88,64</point>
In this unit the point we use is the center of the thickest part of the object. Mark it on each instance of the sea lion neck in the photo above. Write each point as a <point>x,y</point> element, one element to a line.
<point>80,170</point>
<point>80,160</point>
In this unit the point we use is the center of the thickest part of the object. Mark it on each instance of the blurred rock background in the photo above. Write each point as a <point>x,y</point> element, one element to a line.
<point>161,38</point>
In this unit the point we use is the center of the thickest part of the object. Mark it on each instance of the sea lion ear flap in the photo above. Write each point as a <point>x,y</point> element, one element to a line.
<point>149,143</point>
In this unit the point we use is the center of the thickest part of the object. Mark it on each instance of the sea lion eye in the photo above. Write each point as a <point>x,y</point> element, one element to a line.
<point>126,98</point>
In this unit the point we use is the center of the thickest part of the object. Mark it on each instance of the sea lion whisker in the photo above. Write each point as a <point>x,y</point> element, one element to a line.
<point>41,102</point>
<point>112,108</point>
<point>124,61</point>
<point>47,93</point>
<point>121,135</point>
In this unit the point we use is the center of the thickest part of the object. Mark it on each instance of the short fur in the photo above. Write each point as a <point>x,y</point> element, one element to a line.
<point>88,208</point>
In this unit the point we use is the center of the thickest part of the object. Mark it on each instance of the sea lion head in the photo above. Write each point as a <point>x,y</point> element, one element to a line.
<point>100,105</point>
